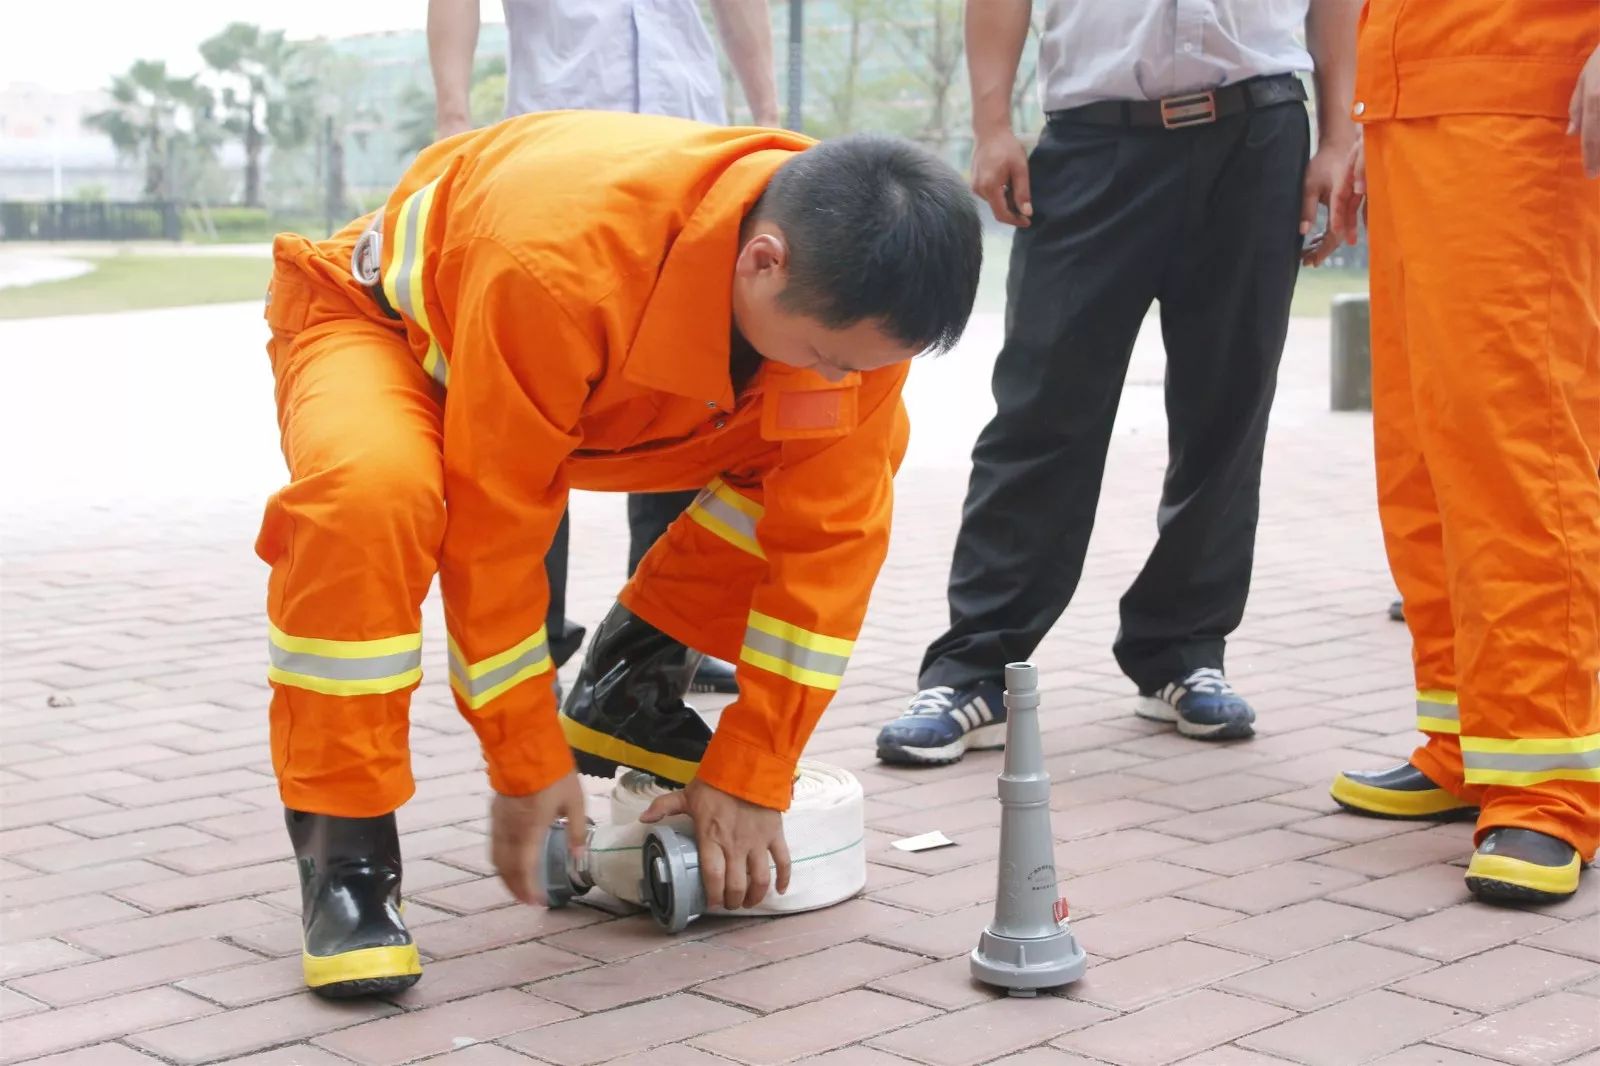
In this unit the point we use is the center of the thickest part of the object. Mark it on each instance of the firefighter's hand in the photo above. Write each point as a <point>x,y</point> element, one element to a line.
<point>1349,202</point>
<point>1584,114</point>
<point>734,839</point>
<point>517,829</point>
<point>1000,176</point>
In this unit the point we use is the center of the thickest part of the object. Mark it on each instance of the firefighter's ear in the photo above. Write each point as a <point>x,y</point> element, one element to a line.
<point>765,253</point>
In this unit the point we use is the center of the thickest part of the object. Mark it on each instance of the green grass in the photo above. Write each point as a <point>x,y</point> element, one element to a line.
<point>134,282</point>
<point>1313,294</point>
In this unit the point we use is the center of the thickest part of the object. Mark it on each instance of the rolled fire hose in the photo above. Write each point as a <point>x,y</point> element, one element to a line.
<point>657,866</point>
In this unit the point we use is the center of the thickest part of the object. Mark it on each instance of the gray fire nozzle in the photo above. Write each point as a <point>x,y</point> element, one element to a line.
<point>1028,945</point>
<point>670,882</point>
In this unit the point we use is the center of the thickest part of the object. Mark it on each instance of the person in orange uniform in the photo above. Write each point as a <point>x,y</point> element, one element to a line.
<point>1481,148</point>
<point>601,301</point>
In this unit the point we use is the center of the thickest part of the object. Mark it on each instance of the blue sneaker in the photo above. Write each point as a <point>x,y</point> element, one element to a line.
<point>1202,705</point>
<point>943,723</point>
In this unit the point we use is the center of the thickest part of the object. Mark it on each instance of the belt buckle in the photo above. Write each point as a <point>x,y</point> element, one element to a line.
<point>1190,109</point>
<point>366,259</point>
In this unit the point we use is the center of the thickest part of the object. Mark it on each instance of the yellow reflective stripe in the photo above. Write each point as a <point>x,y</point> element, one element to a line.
<point>402,278</point>
<point>1530,760</point>
<point>344,667</point>
<point>729,515</point>
<point>1437,712</point>
<point>480,682</point>
<point>803,637</point>
<point>798,654</point>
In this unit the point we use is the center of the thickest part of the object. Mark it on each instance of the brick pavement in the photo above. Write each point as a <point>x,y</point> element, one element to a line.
<point>1231,916</point>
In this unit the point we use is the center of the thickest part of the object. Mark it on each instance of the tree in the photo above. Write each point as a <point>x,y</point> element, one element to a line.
<point>929,39</point>
<point>264,97</point>
<point>153,118</point>
<point>487,99</point>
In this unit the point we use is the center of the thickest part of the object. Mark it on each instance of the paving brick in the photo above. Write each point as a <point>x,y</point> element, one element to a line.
<point>627,1030</point>
<point>813,1028</point>
<point>18,841</point>
<point>684,1055</point>
<point>486,971</point>
<point>112,877</point>
<point>800,934</point>
<point>1429,1055</point>
<point>162,814</point>
<point>948,891</point>
<point>142,844</point>
<point>1294,929</point>
<point>38,956</point>
<point>1093,819</point>
<point>177,891</point>
<point>947,984</point>
<point>57,787</point>
<point>1147,925</point>
<point>92,1023</point>
<point>1327,975</point>
<point>808,977</point>
<point>68,766</point>
<point>15,1005</point>
<point>1460,931</point>
<point>1356,1030</point>
<point>1044,1056</point>
<point>1499,978</point>
<point>1132,982</point>
<point>238,1032</point>
<point>434,1030</point>
<point>1226,823</point>
<point>1580,938</point>
<point>219,919</point>
<point>1169,1031</point>
<point>1268,889</point>
<point>860,1055</point>
<point>1411,894</point>
<point>1250,852</point>
<point>142,793</point>
<point>254,982</point>
<point>671,968</point>
<point>941,936</point>
<point>293,1055</point>
<point>1356,830</point>
<point>1087,854</point>
<point>49,919</point>
<point>1225,790</point>
<point>1129,883</point>
<point>1231,1056</point>
<point>494,929</point>
<point>1393,855</point>
<point>1551,1029</point>
<point>127,973</point>
<point>469,896</point>
<point>978,1033</point>
<point>97,1055</point>
<point>61,809</point>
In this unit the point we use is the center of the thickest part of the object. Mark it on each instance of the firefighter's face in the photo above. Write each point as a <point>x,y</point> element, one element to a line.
<point>783,336</point>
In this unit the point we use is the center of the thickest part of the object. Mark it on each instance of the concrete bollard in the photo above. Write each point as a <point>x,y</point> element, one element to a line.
<point>1028,946</point>
<point>1350,376</point>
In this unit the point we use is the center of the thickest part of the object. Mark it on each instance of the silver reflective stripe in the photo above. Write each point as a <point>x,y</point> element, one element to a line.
<point>794,654</point>
<point>1504,760</point>
<point>477,686</point>
<point>335,669</point>
<point>441,372</point>
<point>408,250</point>
<point>725,512</point>
<point>1447,712</point>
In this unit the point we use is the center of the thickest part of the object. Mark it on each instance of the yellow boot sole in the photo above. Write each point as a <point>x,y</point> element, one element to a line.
<point>1502,879</point>
<point>363,972</point>
<point>1433,804</point>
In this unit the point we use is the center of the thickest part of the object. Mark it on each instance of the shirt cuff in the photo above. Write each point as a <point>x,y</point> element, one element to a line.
<point>525,749</point>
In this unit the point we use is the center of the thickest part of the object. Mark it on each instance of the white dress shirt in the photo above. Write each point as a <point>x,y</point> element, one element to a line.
<point>1148,49</point>
<point>649,56</point>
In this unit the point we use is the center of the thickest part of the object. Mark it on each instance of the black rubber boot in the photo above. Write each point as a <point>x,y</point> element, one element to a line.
<point>355,942</point>
<point>627,708</point>
<point>714,675</point>
<point>1523,866</point>
<point>1402,792</point>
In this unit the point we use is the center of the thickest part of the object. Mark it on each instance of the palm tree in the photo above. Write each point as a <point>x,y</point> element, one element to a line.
<point>153,114</point>
<point>263,96</point>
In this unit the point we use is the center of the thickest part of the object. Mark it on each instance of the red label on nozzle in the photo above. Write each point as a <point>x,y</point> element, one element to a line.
<point>1061,910</point>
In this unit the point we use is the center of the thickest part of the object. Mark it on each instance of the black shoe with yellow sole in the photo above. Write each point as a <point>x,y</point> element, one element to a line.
<point>1523,866</point>
<point>355,942</point>
<point>626,707</point>
<point>1402,792</point>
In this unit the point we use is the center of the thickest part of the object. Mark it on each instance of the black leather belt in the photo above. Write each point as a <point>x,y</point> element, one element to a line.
<point>1189,109</point>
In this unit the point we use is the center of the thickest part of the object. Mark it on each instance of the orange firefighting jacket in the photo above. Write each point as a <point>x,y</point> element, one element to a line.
<point>567,278</point>
<point>1425,58</point>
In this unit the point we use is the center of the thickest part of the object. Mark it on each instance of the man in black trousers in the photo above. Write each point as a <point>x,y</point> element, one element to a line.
<point>1173,170</point>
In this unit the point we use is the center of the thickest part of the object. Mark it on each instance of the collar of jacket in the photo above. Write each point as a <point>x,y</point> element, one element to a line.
<point>681,345</point>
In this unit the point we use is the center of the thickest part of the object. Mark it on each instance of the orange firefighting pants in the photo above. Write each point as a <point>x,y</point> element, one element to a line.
<point>354,542</point>
<point>1485,239</point>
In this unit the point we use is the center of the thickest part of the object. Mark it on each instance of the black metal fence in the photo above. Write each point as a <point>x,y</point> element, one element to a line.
<point>69,220</point>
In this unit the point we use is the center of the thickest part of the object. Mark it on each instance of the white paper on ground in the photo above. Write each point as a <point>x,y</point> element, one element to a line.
<point>924,842</point>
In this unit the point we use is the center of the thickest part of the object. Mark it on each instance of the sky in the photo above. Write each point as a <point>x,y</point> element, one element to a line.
<point>79,44</point>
